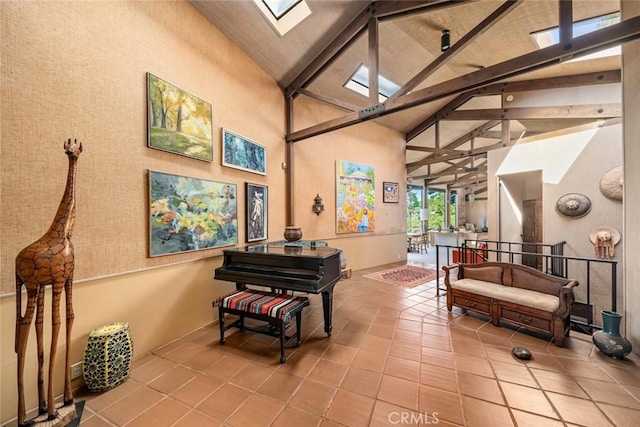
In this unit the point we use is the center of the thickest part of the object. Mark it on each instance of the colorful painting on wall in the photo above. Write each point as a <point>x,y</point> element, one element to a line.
<point>355,197</point>
<point>178,122</point>
<point>256,214</point>
<point>190,214</point>
<point>242,153</point>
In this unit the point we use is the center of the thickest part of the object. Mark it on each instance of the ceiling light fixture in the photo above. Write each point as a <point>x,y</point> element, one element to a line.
<point>445,41</point>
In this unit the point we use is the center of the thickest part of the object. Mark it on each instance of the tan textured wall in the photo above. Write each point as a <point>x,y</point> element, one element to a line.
<point>631,234</point>
<point>77,69</point>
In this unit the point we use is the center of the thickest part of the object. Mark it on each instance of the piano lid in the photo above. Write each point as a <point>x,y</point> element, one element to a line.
<point>293,268</point>
<point>285,250</point>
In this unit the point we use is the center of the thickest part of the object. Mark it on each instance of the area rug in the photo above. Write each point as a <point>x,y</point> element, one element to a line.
<point>406,275</point>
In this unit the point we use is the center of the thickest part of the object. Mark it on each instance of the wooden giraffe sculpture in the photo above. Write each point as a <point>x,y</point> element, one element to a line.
<point>48,261</point>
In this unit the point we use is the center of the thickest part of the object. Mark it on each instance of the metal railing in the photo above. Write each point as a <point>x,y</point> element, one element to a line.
<point>553,262</point>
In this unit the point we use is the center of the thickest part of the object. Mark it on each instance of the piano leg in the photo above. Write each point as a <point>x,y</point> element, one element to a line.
<point>327,308</point>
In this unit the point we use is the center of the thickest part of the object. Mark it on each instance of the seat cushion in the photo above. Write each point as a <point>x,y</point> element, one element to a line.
<point>524,297</point>
<point>279,306</point>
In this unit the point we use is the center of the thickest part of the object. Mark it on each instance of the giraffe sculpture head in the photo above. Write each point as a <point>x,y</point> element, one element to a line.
<point>73,148</point>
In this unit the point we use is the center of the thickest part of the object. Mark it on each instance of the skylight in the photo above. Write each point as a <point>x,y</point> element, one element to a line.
<point>279,7</point>
<point>283,15</point>
<point>551,36</point>
<point>359,82</point>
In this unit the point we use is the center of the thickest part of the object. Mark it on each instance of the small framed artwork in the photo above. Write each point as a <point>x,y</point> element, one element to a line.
<point>177,121</point>
<point>242,153</point>
<point>390,192</point>
<point>257,208</point>
<point>190,214</point>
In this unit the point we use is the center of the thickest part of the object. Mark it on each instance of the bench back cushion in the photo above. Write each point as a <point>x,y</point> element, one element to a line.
<point>487,274</point>
<point>536,282</point>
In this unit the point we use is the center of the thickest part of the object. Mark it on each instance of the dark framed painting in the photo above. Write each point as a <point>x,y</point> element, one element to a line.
<point>390,192</point>
<point>242,153</point>
<point>190,214</point>
<point>256,212</point>
<point>177,121</point>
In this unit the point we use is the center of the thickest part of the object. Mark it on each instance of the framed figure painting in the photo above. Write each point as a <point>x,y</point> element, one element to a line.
<point>390,192</point>
<point>256,212</point>
<point>190,214</point>
<point>242,153</point>
<point>178,122</point>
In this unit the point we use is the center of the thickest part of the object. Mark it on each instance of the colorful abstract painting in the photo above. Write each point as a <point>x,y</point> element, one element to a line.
<point>355,197</point>
<point>190,214</point>
<point>178,122</point>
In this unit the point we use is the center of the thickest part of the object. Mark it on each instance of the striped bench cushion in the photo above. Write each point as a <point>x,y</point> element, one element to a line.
<point>278,306</point>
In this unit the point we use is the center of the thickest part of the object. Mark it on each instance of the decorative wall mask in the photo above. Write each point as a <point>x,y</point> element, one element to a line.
<point>574,205</point>
<point>611,184</point>
<point>604,239</point>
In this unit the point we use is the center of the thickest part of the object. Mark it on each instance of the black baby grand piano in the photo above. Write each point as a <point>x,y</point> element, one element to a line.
<point>289,268</point>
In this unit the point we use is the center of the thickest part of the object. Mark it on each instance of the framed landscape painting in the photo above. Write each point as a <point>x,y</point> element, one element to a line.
<point>256,214</point>
<point>355,197</point>
<point>242,153</point>
<point>190,214</point>
<point>390,192</point>
<point>178,122</point>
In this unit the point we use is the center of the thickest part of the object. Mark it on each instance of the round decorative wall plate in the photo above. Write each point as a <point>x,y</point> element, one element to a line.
<point>574,205</point>
<point>611,183</point>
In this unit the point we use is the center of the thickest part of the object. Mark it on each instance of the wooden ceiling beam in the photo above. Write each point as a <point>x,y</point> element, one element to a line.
<point>462,182</point>
<point>587,111</point>
<point>454,167</point>
<point>458,142</point>
<point>386,9</point>
<point>331,101</point>
<point>475,151</point>
<point>513,135</point>
<point>456,48</point>
<point>433,176</point>
<point>373,60</point>
<point>587,79</point>
<point>625,31</point>
<point>431,149</point>
<point>353,30</point>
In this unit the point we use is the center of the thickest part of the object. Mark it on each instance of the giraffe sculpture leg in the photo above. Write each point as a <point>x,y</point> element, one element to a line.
<point>68,397</point>
<point>55,331</point>
<point>42,403</point>
<point>23,324</point>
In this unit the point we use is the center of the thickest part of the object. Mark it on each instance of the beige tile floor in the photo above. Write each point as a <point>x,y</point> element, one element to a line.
<point>396,357</point>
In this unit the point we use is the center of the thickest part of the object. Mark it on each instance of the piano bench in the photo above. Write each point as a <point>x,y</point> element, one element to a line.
<point>276,309</point>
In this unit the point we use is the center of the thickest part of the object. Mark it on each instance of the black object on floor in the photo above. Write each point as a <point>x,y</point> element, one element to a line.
<point>521,353</point>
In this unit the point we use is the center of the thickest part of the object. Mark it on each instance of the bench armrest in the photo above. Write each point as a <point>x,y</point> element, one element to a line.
<point>566,299</point>
<point>447,274</point>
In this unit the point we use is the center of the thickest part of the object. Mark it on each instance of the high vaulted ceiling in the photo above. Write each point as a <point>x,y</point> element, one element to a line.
<point>452,105</point>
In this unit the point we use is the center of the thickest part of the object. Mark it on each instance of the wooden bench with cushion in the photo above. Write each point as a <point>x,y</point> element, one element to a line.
<point>514,293</point>
<point>274,308</point>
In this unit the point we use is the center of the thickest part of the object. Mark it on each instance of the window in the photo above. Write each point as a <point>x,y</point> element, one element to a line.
<point>437,209</point>
<point>280,7</point>
<point>550,37</point>
<point>359,82</point>
<point>414,203</point>
<point>283,15</point>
